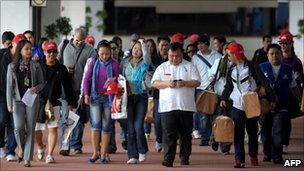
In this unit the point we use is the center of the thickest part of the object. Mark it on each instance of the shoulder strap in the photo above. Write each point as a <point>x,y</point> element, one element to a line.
<point>218,68</point>
<point>78,56</point>
<point>65,43</point>
<point>204,60</point>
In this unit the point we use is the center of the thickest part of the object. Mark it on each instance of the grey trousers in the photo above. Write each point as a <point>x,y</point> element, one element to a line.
<point>24,123</point>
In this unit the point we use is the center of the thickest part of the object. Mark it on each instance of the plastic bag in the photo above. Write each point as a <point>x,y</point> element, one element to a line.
<point>119,104</point>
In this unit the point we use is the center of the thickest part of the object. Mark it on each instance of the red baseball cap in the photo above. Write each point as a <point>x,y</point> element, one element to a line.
<point>50,46</point>
<point>178,38</point>
<point>193,38</point>
<point>286,37</point>
<point>237,50</point>
<point>18,38</point>
<point>90,40</point>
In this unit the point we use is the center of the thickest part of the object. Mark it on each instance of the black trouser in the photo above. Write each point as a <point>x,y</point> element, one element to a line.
<point>177,124</point>
<point>240,121</point>
<point>272,132</point>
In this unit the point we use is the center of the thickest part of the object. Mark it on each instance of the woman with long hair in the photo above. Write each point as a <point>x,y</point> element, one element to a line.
<point>24,74</point>
<point>134,69</point>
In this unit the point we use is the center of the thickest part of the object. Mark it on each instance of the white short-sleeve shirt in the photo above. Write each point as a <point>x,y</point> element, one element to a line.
<point>176,98</point>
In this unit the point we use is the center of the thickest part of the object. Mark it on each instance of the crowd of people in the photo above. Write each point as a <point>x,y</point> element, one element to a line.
<point>74,76</point>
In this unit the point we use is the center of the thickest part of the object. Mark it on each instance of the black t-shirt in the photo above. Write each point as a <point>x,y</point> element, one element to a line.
<point>24,80</point>
<point>260,56</point>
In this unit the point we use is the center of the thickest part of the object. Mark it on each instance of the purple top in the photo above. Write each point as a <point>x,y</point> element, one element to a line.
<point>294,62</point>
<point>88,76</point>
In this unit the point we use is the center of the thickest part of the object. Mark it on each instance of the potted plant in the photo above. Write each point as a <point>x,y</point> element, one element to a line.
<point>64,27</point>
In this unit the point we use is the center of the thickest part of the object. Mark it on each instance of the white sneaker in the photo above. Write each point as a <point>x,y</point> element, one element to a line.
<point>147,136</point>
<point>142,157</point>
<point>132,161</point>
<point>260,139</point>
<point>285,149</point>
<point>246,138</point>
<point>49,159</point>
<point>40,153</point>
<point>196,134</point>
<point>2,153</point>
<point>11,158</point>
<point>158,147</point>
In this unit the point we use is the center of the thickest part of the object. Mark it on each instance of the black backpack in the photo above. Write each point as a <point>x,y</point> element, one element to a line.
<point>65,43</point>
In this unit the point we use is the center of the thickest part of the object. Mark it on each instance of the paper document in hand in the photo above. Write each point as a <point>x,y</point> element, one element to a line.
<point>29,98</point>
<point>71,124</point>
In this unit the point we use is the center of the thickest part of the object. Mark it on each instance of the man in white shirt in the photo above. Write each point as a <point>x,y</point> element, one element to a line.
<point>203,61</point>
<point>176,80</point>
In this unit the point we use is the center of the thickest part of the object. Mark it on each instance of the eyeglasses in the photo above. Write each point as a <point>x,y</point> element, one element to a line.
<point>113,48</point>
<point>79,41</point>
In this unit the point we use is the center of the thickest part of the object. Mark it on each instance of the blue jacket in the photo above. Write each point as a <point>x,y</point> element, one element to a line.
<point>37,51</point>
<point>281,86</point>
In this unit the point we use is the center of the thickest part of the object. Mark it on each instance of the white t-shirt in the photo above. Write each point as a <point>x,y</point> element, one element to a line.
<point>176,98</point>
<point>202,68</point>
<point>276,70</point>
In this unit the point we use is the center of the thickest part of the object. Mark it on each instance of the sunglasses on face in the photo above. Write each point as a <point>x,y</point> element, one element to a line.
<point>285,43</point>
<point>52,51</point>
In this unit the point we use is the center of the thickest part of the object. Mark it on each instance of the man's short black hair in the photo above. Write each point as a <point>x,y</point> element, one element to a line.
<point>274,46</point>
<point>266,36</point>
<point>165,38</point>
<point>116,39</point>
<point>29,32</point>
<point>176,46</point>
<point>221,39</point>
<point>7,35</point>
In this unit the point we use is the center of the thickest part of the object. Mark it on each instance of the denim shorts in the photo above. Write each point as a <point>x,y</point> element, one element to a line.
<point>100,114</point>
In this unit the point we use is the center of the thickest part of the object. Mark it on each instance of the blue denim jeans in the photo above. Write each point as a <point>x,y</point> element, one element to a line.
<point>77,133</point>
<point>148,127</point>
<point>206,126</point>
<point>157,123</point>
<point>240,121</point>
<point>197,123</point>
<point>273,125</point>
<point>123,133</point>
<point>137,108</point>
<point>6,123</point>
<point>100,114</point>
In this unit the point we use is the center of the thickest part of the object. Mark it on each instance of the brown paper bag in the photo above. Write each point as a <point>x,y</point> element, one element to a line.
<point>149,116</point>
<point>251,104</point>
<point>206,102</point>
<point>223,129</point>
<point>264,102</point>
